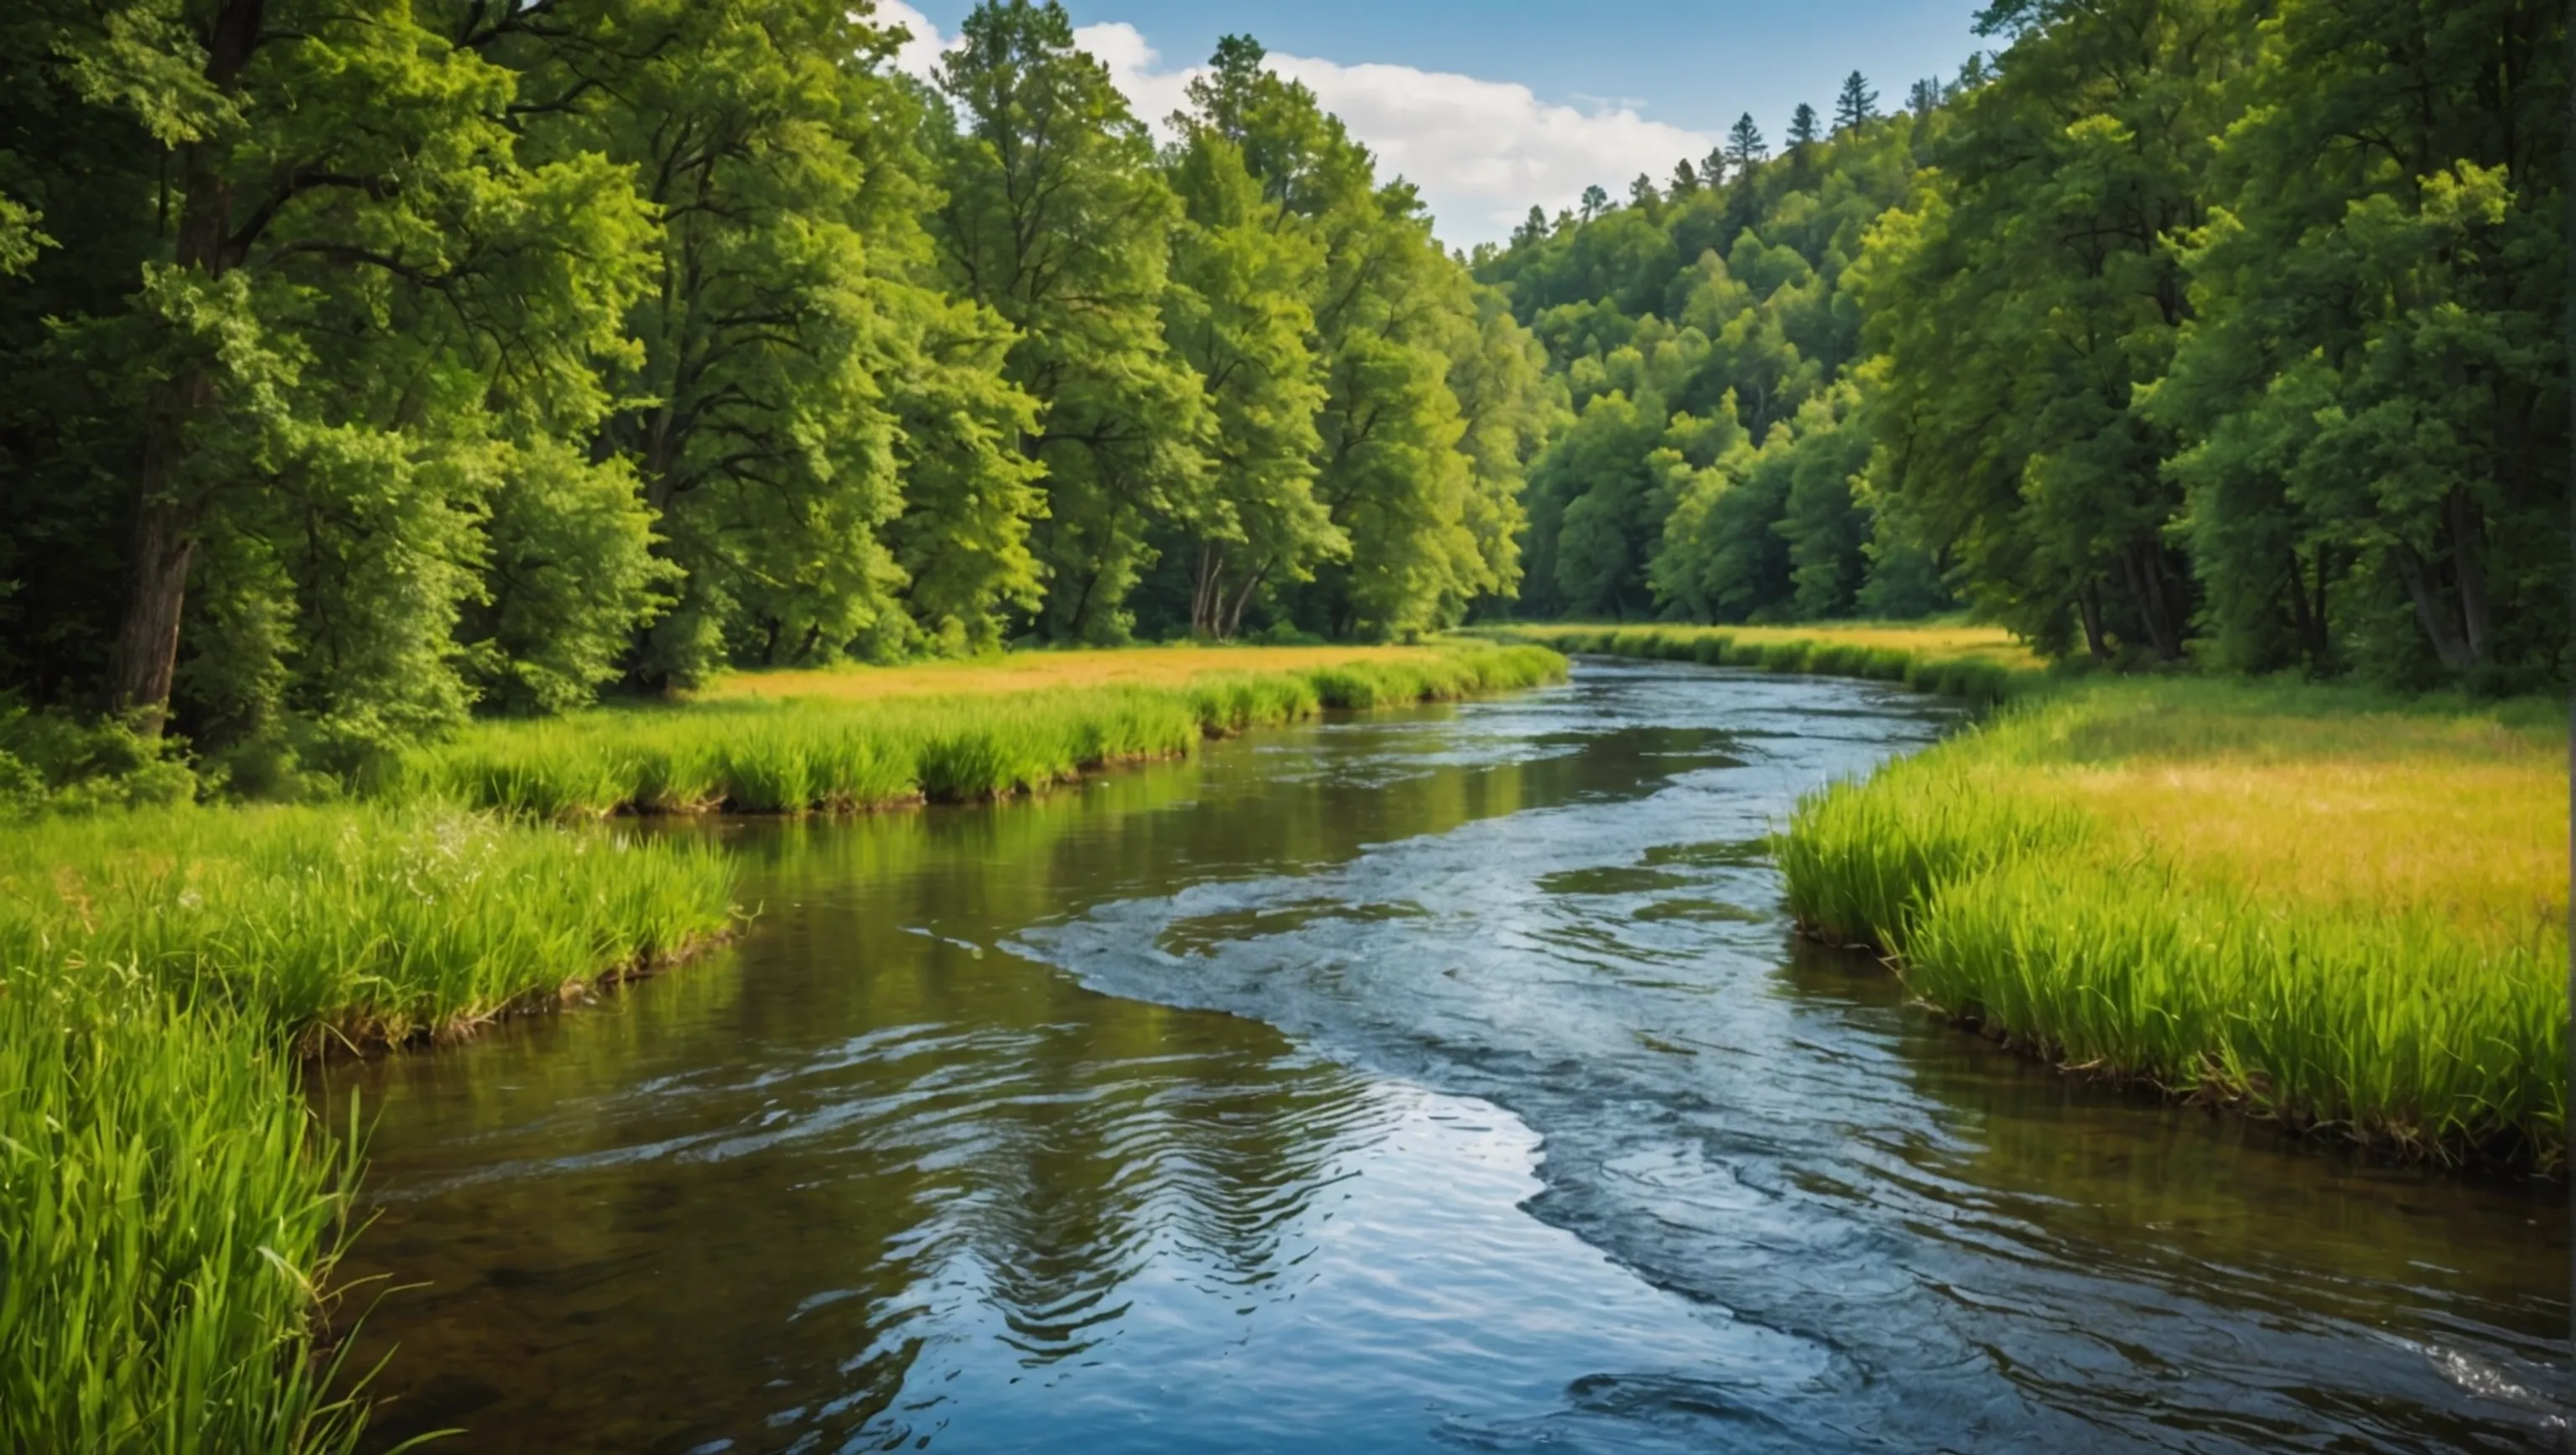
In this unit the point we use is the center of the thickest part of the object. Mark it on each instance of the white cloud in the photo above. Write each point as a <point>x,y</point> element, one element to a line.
<point>1483,151</point>
<point>1480,151</point>
<point>920,55</point>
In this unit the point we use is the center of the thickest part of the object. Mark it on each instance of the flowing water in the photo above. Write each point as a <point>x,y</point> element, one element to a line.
<point>1444,1080</point>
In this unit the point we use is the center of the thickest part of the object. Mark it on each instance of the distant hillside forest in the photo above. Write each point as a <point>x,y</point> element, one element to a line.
<point>2171,329</point>
<point>373,363</point>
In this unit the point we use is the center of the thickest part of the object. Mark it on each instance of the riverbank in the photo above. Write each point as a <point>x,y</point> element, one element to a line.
<point>865,738</point>
<point>2335,908</point>
<point>169,1210</point>
<point>1954,659</point>
<point>170,1213</point>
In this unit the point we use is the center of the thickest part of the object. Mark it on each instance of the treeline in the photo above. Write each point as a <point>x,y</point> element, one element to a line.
<point>372,363</point>
<point>2204,329</point>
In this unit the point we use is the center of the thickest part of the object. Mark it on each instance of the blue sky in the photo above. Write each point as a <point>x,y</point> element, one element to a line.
<point>1493,106</point>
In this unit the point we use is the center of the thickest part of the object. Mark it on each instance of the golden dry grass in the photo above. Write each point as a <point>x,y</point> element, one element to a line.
<point>1174,666</point>
<point>2460,818</point>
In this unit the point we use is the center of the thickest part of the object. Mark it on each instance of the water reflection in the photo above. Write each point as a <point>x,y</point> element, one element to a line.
<point>1425,1081</point>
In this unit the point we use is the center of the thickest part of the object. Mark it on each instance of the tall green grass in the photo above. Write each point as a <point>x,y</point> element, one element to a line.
<point>2328,908</point>
<point>755,756</point>
<point>1938,663</point>
<point>169,1211</point>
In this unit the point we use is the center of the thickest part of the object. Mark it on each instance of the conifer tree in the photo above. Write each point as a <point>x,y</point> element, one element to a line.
<point>1745,149</point>
<point>1857,103</point>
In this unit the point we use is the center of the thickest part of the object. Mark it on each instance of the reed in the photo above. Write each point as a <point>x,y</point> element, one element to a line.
<point>2322,905</point>
<point>169,1210</point>
<point>840,750</point>
<point>1979,663</point>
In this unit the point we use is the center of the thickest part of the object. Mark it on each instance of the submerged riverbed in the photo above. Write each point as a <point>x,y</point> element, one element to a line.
<point>1441,1080</point>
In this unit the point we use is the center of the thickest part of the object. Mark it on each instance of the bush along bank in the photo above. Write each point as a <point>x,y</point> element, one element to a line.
<point>2343,911</point>
<point>1980,664</point>
<point>750,756</point>
<point>169,1207</point>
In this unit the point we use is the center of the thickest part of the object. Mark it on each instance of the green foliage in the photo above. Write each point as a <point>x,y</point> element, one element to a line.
<point>1056,219</point>
<point>410,362</point>
<point>1724,315</point>
<point>2179,330</point>
<point>2375,464</point>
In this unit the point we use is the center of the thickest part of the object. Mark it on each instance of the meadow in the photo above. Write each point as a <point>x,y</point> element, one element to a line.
<point>2338,908</point>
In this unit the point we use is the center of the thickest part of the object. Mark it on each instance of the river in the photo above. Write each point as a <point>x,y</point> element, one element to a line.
<point>1436,1080</point>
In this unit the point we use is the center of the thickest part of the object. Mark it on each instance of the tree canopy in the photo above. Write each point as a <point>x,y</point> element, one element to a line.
<point>2174,329</point>
<point>392,363</point>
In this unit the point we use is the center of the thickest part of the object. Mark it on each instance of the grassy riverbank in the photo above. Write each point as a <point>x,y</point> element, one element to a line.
<point>169,1212</point>
<point>1981,663</point>
<point>168,1209</point>
<point>2343,910</point>
<point>868,738</point>
<point>2334,907</point>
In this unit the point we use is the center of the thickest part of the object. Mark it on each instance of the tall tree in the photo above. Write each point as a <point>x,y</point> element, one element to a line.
<point>1856,104</point>
<point>1803,127</point>
<point>2375,465</point>
<point>1057,218</point>
<point>2026,296</point>
<point>1745,148</point>
<point>338,321</point>
<point>1239,314</point>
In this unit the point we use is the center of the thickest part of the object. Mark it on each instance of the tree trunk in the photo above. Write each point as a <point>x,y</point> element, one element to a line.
<point>1242,599</point>
<point>147,641</point>
<point>165,518</point>
<point>2431,612</point>
<point>2468,573</point>
<point>2088,605</point>
<point>2155,606</point>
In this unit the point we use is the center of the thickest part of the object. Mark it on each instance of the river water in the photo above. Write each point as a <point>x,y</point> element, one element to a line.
<point>1440,1080</point>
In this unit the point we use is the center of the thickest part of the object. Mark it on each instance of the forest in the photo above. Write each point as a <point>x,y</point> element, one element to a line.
<point>379,366</point>
<point>2227,333</point>
<point>376,366</point>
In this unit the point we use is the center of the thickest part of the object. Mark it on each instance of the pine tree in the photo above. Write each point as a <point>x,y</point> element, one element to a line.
<point>1802,125</point>
<point>1857,103</point>
<point>1595,202</point>
<point>1685,178</point>
<point>1745,147</point>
